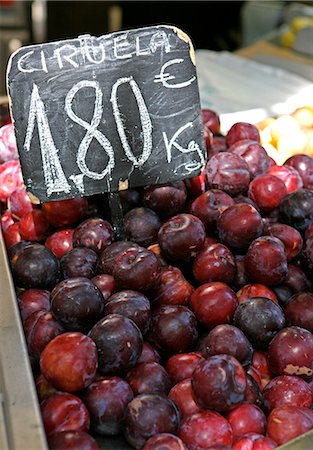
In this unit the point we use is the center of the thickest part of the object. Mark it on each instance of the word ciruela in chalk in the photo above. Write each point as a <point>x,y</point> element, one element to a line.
<point>90,50</point>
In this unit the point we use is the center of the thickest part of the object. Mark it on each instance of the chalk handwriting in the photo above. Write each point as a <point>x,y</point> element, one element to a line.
<point>54,176</point>
<point>92,131</point>
<point>144,118</point>
<point>192,145</point>
<point>165,77</point>
<point>87,49</point>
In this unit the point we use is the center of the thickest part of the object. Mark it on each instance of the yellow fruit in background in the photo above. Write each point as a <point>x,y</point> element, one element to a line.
<point>283,125</point>
<point>292,143</point>
<point>287,38</point>
<point>301,22</point>
<point>304,116</point>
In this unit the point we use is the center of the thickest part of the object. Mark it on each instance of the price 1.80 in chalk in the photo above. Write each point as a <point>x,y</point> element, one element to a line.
<point>93,115</point>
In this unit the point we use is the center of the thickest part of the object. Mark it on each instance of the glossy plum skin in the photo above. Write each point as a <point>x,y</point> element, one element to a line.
<point>230,340</point>
<point>77,303</point>
<point>209,206</point>
<point>260,319</point>
<point>64,412</point>
<point>228,172</point>
<point>107,257</point>
<point>165,338</point>
<point>254,441</point>
<point>106,284</point>
<point>166,200</point>
<point>296,209</point>
<point>172,288</point>
<point>266,261</point>
<point>267,191</point>
<point>298,361</point>
<point>166,441</point>
<point>204,430</point>
<point>239,225</point>
<point>147,415</point>
<point>79,262</point>
<point>94,233</point>
<point>181,366</point>
<point>34,266</point>
<point>32,300</point>
<point>212,120</point>
<point>184,398</point>
<point>60,242</point>
<point>142,226</point>
<point>131,304</point>
<point>299,310</point>
<point>181,237</point>
<point>287,422</point>
<point>214,303</point>
<point>106,399</point>
<point>69,361</point>
<point>119,344</point>
<point>33,226</point>
<point>72,440</point>
<point>304,165</point>
<point>219,382</point>
<point>289,175</point>
<point>297,282</point>
<point>242,130</point>
<point>149,378</point>
<point>290,237</point>
<point>255,290</point>
<point>136,268</point>
<point>254,154</point>
<point>246,418</point>
<point>214,263</point>
<point>63,213</point>
<point>286,390</point>
<point>148,354</point>
<point>40,328</point>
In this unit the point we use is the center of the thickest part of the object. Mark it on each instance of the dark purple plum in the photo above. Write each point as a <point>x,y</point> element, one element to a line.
<point>94,233</point>
<point>181,237</point>
<point>166,199</point>
<point>33,266</point>
<point>149,378</point>
<point>230,340</point>
<point>173,329</point>
<point>219,382</point>
<point>107,257</point>
<point>119,344</point>
<point>142,226</point>
<point>147,415</point>
<point>136,268</point>
<point>259,318</point>
<point>79,262</point>
<point>131,304</point>
<point>106,399</point>
<point>296,209</point>
<point>77,303</point>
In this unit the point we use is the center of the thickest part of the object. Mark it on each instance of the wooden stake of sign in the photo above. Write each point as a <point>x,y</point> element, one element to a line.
<point>94,115</point>
<point>117,216</point>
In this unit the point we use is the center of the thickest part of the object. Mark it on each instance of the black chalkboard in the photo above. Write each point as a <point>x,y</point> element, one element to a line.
<point>101,114</point>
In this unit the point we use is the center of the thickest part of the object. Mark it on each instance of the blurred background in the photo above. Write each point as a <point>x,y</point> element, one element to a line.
<point>214,25</point>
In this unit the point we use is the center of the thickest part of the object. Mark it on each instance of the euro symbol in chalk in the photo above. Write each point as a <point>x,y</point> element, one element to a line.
<point>165,77</point>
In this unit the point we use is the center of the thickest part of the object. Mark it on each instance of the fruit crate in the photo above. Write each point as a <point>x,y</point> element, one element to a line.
<point>21,426</point>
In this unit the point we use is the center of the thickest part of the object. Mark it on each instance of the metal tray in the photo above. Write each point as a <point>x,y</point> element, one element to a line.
<point>21,426</point>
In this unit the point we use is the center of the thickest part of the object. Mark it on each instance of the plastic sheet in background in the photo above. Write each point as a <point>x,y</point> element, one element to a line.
<point>239,89</point>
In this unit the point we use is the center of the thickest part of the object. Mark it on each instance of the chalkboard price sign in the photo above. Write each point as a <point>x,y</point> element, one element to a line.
<point>101,114</point>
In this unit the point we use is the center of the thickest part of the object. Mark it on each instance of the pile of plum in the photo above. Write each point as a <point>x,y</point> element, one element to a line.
<point>196,331</point>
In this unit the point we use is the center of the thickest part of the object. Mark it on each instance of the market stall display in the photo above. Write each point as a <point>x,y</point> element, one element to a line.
<point>188,332</point>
